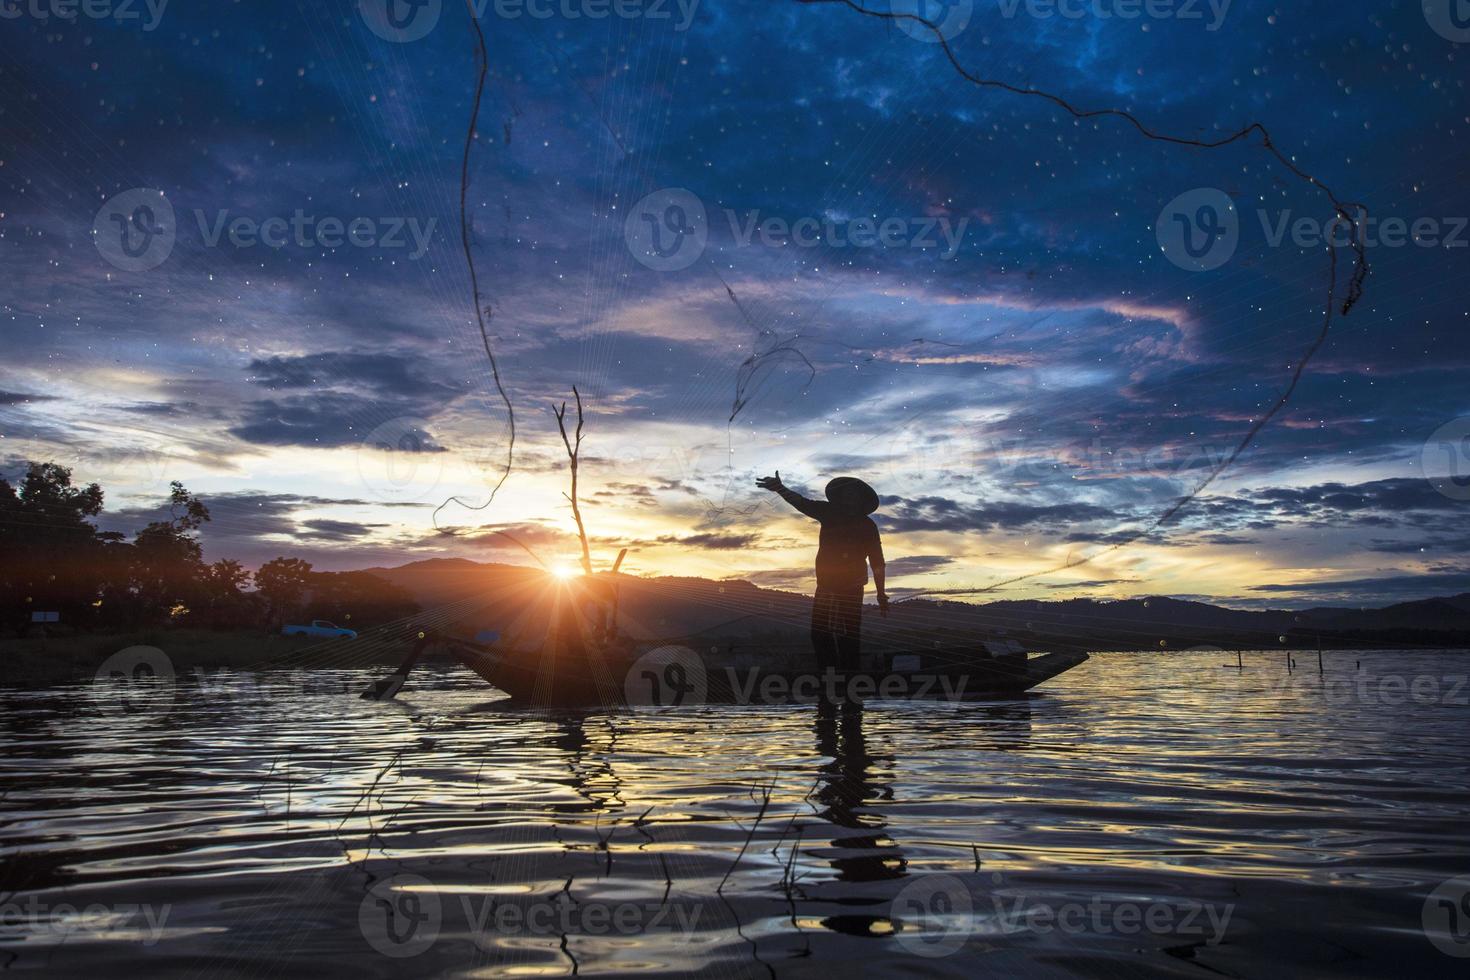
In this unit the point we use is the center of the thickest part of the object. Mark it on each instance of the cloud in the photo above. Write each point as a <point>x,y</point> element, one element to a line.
<point>385,374</point>
<point>185,409</point>
<point>22,398</point>
<point>781,578</point>
<point>1395,502</point>
<point>712,541</point>
<point>1395,586</point>
<point>626,493</point>
<point>1093,584</point>
<point>916,564</point>
<point>328,419</point>
<point>330,530</point>
<point>532,534</point>
<point>944,514</point>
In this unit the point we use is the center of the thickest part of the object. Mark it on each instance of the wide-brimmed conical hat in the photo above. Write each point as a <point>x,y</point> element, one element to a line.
<point>851,491</point>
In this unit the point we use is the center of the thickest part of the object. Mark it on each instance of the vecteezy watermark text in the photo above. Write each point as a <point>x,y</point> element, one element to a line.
<point>121,11</point>
<point>64,922</point>
<point>402,916</point>
<point>860,232</point>
<point>676,676</point>
<point>1362,688</point>
<point>137,230</point>
<point>936,915</point>
<point>1368,230</point>
<point>563,916</point>
<point>1200,230</point>
<point>308,231</point>
<point>401,21</point>
<point>1182,10</point>
<point>668,230</point>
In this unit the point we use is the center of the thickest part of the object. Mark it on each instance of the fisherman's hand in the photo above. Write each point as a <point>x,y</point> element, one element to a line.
<point>772,483</point>
<point>883,604</point>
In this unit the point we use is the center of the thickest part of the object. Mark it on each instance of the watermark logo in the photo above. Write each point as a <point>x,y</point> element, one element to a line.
<point>264,686</point>
<point>400,916</point>
<point>139,467</point>
<point>1444,459</point>
<point>1199,230</point>
<point>68,923</point>
<point>1181,10</point>
<point>592,10</point>
<point>1449,18</point>
<point>1102,915</point>
<point>497,918</point>
<point>669,676</point>
<point>934,915</point>
<point>133,679</point>
<point>947,17</point>
<point>403,916</point>
<point>400,21</point>
<point>667,230</point>
<point>400,461</point>
<point>917,453</point>
<point>121,11</point>
<point>757,686</point>
<point>388,232</point>
<point>858,232</point>
<point>135,230</point>
<point>1446,917</point>
<point>1361,688</point>
<point>1367,230</point>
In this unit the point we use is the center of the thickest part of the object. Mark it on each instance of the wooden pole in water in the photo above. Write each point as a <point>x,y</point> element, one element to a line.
<point>1319,654</point>
<point>1239,665</point>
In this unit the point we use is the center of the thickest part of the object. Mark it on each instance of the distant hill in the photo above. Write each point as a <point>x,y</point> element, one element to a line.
<point>735,614</point>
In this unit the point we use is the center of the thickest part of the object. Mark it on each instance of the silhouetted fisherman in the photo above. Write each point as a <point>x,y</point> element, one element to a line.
<point>848,544</point>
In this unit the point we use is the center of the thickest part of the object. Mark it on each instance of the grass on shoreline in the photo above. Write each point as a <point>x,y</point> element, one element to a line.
<point>33,661</point>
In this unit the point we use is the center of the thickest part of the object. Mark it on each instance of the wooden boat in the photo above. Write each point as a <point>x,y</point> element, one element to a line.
<point>671,676</point>
<point>676,679</point>
<point>582,661</point>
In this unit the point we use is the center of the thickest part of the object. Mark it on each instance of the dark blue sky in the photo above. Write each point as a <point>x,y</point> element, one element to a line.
<point>1022,369</point>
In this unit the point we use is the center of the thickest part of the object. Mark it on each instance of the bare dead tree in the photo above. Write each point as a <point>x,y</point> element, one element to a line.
<point>574,449</point>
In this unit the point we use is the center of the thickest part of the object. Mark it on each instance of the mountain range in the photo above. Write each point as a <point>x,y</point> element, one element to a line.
<point>734,614</point>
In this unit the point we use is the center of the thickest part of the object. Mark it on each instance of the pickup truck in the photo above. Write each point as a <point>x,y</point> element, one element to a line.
<point>319,627</point>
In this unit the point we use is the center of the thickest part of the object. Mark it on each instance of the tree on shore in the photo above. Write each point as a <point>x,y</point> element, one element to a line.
<point>356,599</point>
<point>284,583</point>
<point>227,604</point>
<point>168,570</point>
<point>49,552</point>
<point>54,559</point>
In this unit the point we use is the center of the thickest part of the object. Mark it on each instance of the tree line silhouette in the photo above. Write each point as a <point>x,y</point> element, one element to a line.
<point>53,559</point>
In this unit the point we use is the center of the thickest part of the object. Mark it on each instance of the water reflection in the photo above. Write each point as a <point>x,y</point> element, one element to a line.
<point>264,823</point>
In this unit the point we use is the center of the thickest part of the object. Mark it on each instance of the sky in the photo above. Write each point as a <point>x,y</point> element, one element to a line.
<point>756,237</point>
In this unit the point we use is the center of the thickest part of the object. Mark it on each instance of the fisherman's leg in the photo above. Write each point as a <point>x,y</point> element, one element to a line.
<point>848,616</point>
<point>824,643</point>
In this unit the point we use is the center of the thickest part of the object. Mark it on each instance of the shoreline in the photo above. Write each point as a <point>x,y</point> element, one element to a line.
<point>35,661</point>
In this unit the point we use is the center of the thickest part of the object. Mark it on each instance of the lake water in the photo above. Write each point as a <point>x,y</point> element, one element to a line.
<point>1141,815</point>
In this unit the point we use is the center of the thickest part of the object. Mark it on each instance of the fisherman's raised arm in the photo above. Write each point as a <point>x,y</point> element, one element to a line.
<point>815,509</point>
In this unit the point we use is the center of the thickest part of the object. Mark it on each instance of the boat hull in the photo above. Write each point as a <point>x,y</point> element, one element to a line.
<point>681,681</point>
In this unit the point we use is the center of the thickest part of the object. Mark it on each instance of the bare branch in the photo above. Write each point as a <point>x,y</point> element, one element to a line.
<point>574,449</point>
